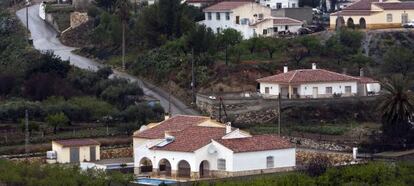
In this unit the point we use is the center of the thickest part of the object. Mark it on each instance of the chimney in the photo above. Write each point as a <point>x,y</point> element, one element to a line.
<point>228,127</point>
<point>361,72</point>
<point>285,68</point>
<point>313,66</point>
<point>166,116</point>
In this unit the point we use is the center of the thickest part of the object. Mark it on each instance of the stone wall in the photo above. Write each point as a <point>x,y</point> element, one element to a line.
<point>255,109</point>
<point>78,18</point>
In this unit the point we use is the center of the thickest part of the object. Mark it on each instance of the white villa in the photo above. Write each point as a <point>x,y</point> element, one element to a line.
<point>276,4</point>
<point>316,83</point>
<point>250,18</point>
<point>192,147</point>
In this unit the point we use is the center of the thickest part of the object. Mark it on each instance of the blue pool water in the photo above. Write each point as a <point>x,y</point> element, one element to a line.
<point>152,181</point>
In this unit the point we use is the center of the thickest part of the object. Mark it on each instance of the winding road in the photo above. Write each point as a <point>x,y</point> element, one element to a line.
<point>45,39</point>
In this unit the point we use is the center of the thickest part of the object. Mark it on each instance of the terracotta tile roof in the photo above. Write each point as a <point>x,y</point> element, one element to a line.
<point>285,21</point>
<point>361,5</point>
<point>367,80</point>
<point>352,12</point>
<point>77,142</point>
<point>226,5</point>
<point>409,5</point>
<point>255,143</point>
<point>193,138</point>
<point>307,76</point>
<point>176,123</point>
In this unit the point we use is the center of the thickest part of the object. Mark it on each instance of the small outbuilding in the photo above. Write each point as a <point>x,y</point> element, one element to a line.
<point>76,150</point>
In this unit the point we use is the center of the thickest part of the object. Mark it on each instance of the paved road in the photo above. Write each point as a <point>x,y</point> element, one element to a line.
<point>44,39</point>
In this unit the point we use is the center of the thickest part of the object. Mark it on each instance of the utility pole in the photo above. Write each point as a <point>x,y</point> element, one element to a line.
<point>26,122</point>
<point>193,76</point>
<point>279,113</point>
<point>169,98</point>
<point>27,20</point>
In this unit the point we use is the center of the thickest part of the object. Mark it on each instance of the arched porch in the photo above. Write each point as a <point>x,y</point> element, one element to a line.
<point>164,168</point>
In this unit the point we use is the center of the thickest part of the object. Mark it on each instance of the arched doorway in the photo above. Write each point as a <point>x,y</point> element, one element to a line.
<point>164,167</point>
<point>145,165</point>
<point>362,23</point>
<point>184,169</point>
<point>350,23</point>
<point>340,22</point>
<point>204,169</point>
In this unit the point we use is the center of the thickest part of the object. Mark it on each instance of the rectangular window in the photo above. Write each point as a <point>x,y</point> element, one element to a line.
<point>218,30</point>
<point>260,16</point>
<point>221,164</point>
<point>293,5</point>
<point>267,90</point>
<point>348,89</point>
<point>278,5</point>
<point>286,27</point>
<point>237,19</point>
<point>270,162</point>
<point>275,29</point>
<point>328,90</point>
<point>218,15</point>
<point>404,18</point>
<point>389,17</point>
<point>264,31</point>
<point>227,15</point>
<point>209,15</point>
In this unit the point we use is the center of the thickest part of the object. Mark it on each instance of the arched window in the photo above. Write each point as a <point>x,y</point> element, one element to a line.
<point>270,162</point>
<point>221,164</point>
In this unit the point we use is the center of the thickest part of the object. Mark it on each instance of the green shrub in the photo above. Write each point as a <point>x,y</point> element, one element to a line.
<point>95,107</point>
<point>15,110</point>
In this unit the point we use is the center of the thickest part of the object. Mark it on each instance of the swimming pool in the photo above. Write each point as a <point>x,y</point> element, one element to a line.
<point>152,181</point>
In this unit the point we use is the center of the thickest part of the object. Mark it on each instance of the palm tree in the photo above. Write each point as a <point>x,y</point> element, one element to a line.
<point>396,107</point>
<point>122,9</point>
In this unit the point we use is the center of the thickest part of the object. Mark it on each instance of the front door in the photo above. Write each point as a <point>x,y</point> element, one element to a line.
<point>74,154</point>
<point>92,151</point>
<point>315,92</point>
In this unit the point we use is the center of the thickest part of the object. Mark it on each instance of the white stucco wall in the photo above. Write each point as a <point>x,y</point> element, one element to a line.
<point>244,12</point>
<point>374,87</point>
<point>257,160</point>
<point>337,87</point>
<point>222,153</point>
<point>273,88</point>
<point>285,3</point>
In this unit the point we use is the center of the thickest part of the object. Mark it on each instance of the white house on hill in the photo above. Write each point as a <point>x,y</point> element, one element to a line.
<point>250,18</point>
<point>192,147</point>
<point>316,83</point>
<point>277,4</point>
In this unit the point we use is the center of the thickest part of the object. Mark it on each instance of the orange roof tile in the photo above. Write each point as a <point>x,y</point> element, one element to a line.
<point>77,142</point>
<point>176,123</point>
<point>255,143</point>
<point>307,76</point>
<point>225,5</point>
<point>193,138</point>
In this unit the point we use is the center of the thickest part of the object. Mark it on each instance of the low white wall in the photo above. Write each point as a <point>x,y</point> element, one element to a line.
<point>338,88</point>
<point>257,160</point>
<point>273,88</point>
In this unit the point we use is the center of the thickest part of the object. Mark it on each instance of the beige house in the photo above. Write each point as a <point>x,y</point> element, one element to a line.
<point>374,14</point>
<point>76,150</point>
<point>249,18</point>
